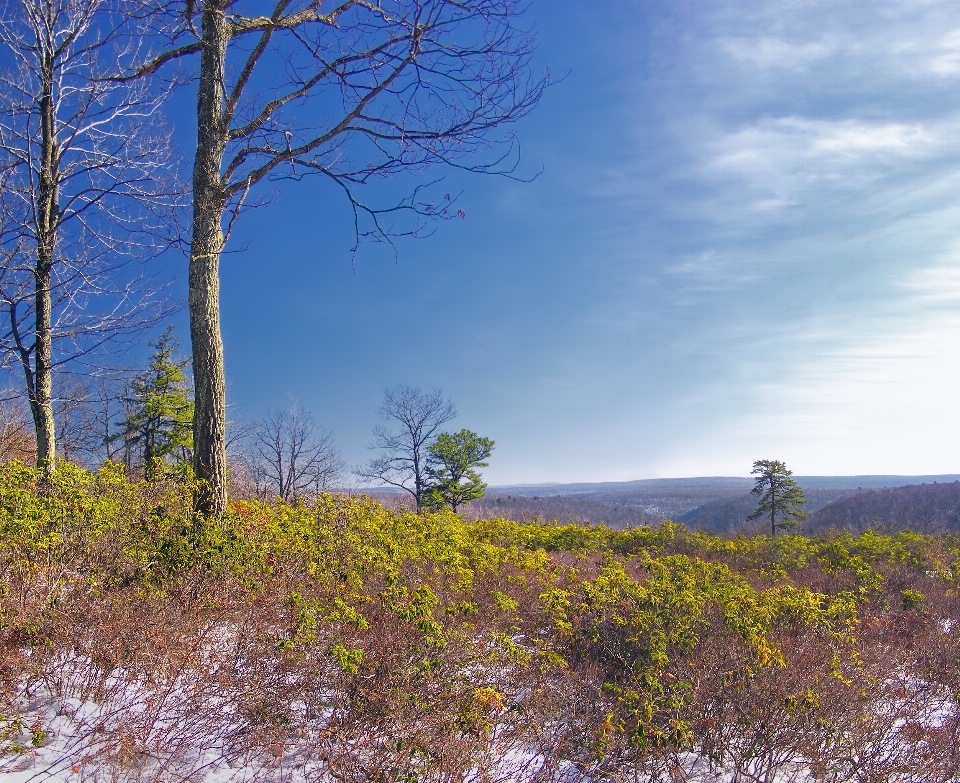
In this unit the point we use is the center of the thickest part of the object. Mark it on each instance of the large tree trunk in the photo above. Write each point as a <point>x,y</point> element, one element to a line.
<point>41,395</point>
<point>209,416</point>
<point>47,220</point>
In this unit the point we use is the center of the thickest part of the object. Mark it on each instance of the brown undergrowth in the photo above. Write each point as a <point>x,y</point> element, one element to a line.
<point>343,641</point>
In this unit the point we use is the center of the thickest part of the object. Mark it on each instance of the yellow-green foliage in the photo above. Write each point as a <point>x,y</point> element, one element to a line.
<point>640,609</point>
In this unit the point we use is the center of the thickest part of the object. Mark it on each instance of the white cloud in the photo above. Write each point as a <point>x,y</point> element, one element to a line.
<point>943,56</point>
<point>709,272</point>
<point>901,41</point>
<point>775,144</point>
<point>887,405</point>
<point>780,159</point>
<point>937,285</point>
<point>771,53</point>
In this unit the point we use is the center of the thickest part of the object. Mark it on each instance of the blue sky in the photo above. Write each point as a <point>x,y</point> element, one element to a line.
<point>743,244</point>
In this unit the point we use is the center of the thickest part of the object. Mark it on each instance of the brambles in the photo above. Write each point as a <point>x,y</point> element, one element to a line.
<point>357,643</point>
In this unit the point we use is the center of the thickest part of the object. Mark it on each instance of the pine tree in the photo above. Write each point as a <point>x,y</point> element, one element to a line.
<point>779,495</point>
<point>157,427</point>
<point>451,476</point>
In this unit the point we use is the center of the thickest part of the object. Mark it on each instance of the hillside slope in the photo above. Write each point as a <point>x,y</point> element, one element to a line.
<point>563,508</point>
<point>719,503</point>
<point>729,515</point>
<point>923,507</point>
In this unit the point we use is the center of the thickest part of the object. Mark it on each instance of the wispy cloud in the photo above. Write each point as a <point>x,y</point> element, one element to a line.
<point>777,54</point>
<point>780,158</point>
<point>768,221</point>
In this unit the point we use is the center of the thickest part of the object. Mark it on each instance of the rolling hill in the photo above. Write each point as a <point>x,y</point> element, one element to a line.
<point>722,503</point>
<point>924,507</point>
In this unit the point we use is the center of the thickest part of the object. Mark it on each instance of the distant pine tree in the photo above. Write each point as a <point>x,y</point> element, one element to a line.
<point>779,495</point>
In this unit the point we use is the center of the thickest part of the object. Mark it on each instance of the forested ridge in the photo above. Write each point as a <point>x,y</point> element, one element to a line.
<point>928,507</point>
<point>339,640</point>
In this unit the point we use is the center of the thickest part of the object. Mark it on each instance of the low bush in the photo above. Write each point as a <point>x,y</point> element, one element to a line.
<point>343,641</point>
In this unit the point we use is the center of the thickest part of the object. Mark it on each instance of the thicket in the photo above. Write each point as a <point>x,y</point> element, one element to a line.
<point>339,640</point>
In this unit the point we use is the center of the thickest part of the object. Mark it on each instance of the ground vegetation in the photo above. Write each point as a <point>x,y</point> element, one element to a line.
<point>339,640</point>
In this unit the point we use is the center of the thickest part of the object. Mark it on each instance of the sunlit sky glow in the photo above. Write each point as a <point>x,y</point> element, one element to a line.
<point>744,243</point>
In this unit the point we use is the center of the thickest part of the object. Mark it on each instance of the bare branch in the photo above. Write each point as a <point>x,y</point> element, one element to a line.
<point>156,64</point>
<point>88,199</point>
<point>290,457</point>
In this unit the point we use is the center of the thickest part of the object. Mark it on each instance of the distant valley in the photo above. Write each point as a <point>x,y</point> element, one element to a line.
<point>721,504</point>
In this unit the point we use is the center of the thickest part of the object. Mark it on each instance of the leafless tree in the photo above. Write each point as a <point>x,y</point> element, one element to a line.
<point>87,192</point>
<point>402,462</point>
<point>348,90</point>
<point>16,432</point>
<point>291,457</point>
<point>106,409</point>
<point>74,413</point>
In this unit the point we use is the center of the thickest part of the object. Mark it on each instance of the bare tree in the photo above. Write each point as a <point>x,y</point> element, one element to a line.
<point>391,86</point>
<point>16,431</point>
<point>106,410</point>
<point>75,414</point>
<point>403,462</point>
<point>88,410</point>
<point>87,193</point>
<point>291,457</point>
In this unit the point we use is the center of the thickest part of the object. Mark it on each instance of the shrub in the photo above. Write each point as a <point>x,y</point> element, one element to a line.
<point>366,644</point>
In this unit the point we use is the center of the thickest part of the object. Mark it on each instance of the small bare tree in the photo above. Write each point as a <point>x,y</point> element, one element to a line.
<point>75,415</point>
<point>291,457</point>
<point>85,168</point>
<point>349,90</point>
<point>403,461</point>
<point>16,431</point>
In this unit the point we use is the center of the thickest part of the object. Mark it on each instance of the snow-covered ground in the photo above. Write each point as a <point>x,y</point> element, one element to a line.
<point>74,724</point>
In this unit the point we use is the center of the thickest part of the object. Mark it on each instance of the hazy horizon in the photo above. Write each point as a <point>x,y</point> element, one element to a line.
<point>871,480</point>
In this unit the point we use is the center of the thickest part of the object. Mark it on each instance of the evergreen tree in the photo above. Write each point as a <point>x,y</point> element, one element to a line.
<point>159,418</point>
<point>779,495</point>
<point>451,476</point>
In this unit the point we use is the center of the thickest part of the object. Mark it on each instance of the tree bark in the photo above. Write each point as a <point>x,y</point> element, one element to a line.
<point>41,393</point>
<point>209,416</point>
<point>773,510</point>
